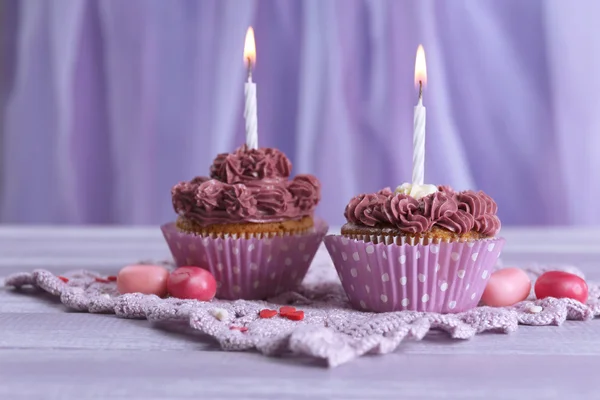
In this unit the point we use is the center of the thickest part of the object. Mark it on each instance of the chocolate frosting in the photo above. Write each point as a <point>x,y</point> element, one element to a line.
<point>247,186</point>
<point>250,165</point>
<point>458,212</point>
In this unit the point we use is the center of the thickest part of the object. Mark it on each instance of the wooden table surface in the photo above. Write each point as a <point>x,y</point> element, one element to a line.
<point>49,352</point>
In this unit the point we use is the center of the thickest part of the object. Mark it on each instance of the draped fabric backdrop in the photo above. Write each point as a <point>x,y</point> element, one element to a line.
<point>106,104</point>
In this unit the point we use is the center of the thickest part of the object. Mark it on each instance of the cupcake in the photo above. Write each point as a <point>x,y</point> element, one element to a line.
<point>419,248</point>
<point>248,223</point>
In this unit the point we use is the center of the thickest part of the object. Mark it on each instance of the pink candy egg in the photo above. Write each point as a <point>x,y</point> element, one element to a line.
<point>146,279</point>
<point>506,287</point>
<point>560,284</point>
<point>192,283</point>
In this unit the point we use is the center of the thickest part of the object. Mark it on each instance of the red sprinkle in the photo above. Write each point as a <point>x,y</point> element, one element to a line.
<point>112,278</point>
<point>238,328</point>
<point>101,280</point>
<point>266,313</point>
<point>283,311</point>
<point>62,278</point>
<point>295,316</point>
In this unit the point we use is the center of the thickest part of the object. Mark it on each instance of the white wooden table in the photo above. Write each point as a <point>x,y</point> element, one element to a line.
<point>48,352</point>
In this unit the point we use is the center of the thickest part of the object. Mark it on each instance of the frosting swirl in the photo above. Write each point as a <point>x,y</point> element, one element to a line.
<point>368,208</point>
<point>458,212</point>
<point>404,212</point>
<point>247,186</point>
<point>305,190</point>
<point>439,205</point>
<point>483,209</point>
<point>182,196</point>
<point>249,165</point>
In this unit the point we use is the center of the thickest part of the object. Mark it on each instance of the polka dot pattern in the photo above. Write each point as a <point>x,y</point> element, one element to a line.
<point>442,277</point>
<point>248,268</point>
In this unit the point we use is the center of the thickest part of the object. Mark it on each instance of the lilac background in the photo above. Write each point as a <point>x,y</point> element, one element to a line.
<point>106,104</point>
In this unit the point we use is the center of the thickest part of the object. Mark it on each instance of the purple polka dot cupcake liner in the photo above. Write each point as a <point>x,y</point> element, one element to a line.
<point>446,277</point>
<point>248,268</point>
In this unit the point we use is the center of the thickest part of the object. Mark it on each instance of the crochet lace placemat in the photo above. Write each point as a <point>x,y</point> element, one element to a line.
<point>331,330</point>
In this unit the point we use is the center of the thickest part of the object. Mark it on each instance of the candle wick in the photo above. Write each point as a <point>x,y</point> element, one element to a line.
<point>249,69</point>
<point>420,90</point>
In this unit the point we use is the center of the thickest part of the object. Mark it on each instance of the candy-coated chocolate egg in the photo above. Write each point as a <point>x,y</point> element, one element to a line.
<point>560,284</point>
<point>147,279</point>
<point>192,283</point>
<point>506,287</point>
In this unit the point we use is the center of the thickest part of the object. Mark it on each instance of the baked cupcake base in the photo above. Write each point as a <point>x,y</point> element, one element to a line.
<point>247,230</point>
<point>446,277</point>
<point>248,268</point>
<point>392,235</point>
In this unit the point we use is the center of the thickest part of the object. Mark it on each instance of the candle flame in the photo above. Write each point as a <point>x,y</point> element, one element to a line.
<point>420,67</point>
<point>250,49</point>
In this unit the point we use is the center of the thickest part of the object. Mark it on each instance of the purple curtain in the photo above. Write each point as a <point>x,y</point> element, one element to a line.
<point>106,104</point>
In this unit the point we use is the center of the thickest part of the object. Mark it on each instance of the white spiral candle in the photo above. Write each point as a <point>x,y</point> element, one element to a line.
<point>250,115</point>
<point>418,173</point>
